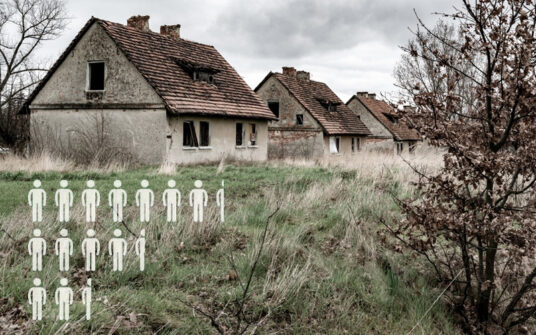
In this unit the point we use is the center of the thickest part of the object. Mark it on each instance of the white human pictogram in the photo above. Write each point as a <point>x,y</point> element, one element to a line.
<point>37,247</point>
<point>90,249</point>
<point>117,198</point>
<point>198,200</point>
<point>172,200</point>
<point>64,200</point>
<point>37,199</point>
<point>86,298</point>
<point>220,201</point>
<point>90,200</point>
<point>117,248</point>
<point>37,297</point>
<point>64,298</point>
<point>140,249</point>
<point>144,200</point>
<point>64,249</point>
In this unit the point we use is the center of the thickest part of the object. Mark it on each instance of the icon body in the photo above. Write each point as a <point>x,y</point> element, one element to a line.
<point>90,200</point>
<point>117,248</point>
<point>198,200</point>
<point>172,200</point>
<point>37,199</point>
<point>86,298</point>
<point>64,201</point>
<point>64,249</point>
<point>37,298</point>
<point>220,201</point>
<point>64,299</point>
<point>90,249</point>
<point>140,249</point>
<point>37,247</point>
<point>144,200</point>
<point>117,199</point>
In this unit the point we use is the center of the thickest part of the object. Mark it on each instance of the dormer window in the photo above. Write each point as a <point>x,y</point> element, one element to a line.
<point>332,108</point>
<point>95,76</point>
<point>204,76</point>
<point>391,118</point>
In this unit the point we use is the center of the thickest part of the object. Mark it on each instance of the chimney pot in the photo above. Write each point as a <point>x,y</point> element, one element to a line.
<point>372,96</point>
<point>289,71</point>
<point>173,31</point>
<point>303,75</point>
<point>140,22</point>
<point>362,94</point>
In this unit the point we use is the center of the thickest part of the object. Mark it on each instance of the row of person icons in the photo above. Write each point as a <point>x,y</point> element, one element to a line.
<point>117,199</point>
<point>63,296</point>
<point>63,248</point>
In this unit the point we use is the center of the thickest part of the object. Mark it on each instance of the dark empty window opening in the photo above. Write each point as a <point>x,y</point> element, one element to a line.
<point>204,76</point>
<point>392,118</point>
<point>399,147</point>
<point>332,108</point>
<point>355,144</point>
<point>96,76</point>
<point>204,132</point>
<point>252,134</point>
<point>239,134</point>
<point>299,119</point>
<point>274,107</point>
<point>189,139</point>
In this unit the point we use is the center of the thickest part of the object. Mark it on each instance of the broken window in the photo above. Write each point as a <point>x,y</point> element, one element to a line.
<point>189,138</point>
<point>95,76</point>
<point>204,76</point>
<point>274,107</point>
<point>204,133</point>
<point>252,134</point>
<point>334,145</point>
<point>332,108</point>
<point>239,134</point>
<point>399,147</point>
<point>299,119</point>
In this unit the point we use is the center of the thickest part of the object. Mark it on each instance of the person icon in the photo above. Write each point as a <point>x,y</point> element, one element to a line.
<point>90,249</point>
<point>117,248</point>
<point>90,200</point>
<point>37,297</point>
<point>64,298</point>
<point>64,200</point>
<point>140,249</point>
<point>198,200</point>
<point>144,200</point>
<point>64,249</point>
<point>37,199</point>
<point>37,247</point>
<point>172,199</point>
<point>117,198</point>
<point>220,201</point>
<point>86,298</point>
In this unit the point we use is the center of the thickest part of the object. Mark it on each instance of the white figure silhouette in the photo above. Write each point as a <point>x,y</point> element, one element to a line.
<point>90,200</point>
<point>64,249</point>
<point>117,248</point>
<point>144,200</point>
<point>37,199</point>
<point>37,297</point>
<point>86,298</point>
<point>64,200</point>
<point>90,249</point>
<point>64,298</point>
<point>37,247</point>
<point>172,199</point>
<point>198,199</point>
<point>220,201</point>
<point>117,198</point>
<point>140,249</point>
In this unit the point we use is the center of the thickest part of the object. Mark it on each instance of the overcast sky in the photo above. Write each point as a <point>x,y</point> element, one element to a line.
<point>352,45</point>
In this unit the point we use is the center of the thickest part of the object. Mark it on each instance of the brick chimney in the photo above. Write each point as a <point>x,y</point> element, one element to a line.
<point>366,95</point>
<point>173,31</point>
<point>139,22</point>
<point>289,71</point>
<point>303,75</point>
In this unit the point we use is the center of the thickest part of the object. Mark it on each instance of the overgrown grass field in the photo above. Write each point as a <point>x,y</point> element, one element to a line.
<point>323,269</point>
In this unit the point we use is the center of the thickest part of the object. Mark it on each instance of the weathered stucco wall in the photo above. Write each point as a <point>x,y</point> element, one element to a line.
<point>222,141</point>
<point>286,138</point>
<point>139,135</point>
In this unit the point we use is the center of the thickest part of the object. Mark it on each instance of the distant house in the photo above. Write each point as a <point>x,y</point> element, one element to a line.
<point>312,121</point>
<point>156,96</point>
<point>388,132</point>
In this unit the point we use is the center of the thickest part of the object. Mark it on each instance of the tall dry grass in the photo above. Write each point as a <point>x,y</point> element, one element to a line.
<point>45,162</point>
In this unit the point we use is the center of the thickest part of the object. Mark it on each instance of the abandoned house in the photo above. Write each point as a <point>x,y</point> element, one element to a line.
<point>312,122</point>
<point>156,96</point>
<point>388,132</point>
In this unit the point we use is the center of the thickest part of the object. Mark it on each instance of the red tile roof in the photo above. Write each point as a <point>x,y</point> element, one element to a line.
<point>310,94</point>
<point>164,61</point>
<point>380,110</point>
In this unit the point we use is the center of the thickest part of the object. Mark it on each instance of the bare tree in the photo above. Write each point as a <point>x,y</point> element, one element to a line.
<point>24,25</point>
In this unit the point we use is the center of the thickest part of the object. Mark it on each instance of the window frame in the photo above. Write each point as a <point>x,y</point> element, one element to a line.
<point>335,142</point>
<point>88,76</point>
<point>193,135</point>
<point>278,106</point>
<point>242,135</point>
<point>298,117</point>
<point>201,144</point>
<point>399,147</point>
<point>252,142</point>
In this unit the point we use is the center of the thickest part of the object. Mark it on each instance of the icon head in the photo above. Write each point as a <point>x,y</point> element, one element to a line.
<point>63,232</point>
<point>37,183</point>
<point>117,183</point>
<point>198,183</point>
<point>171,183</point>
<point>37,281</point>
<point>89,282</point>
<point>90,183</point>
<point>90,233</point>
<point>144,183</point>
<point>63,281</point>
<point>142,232</point>
<point>117,232</point>
<point>64,183</point>
<point>37,232</point>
